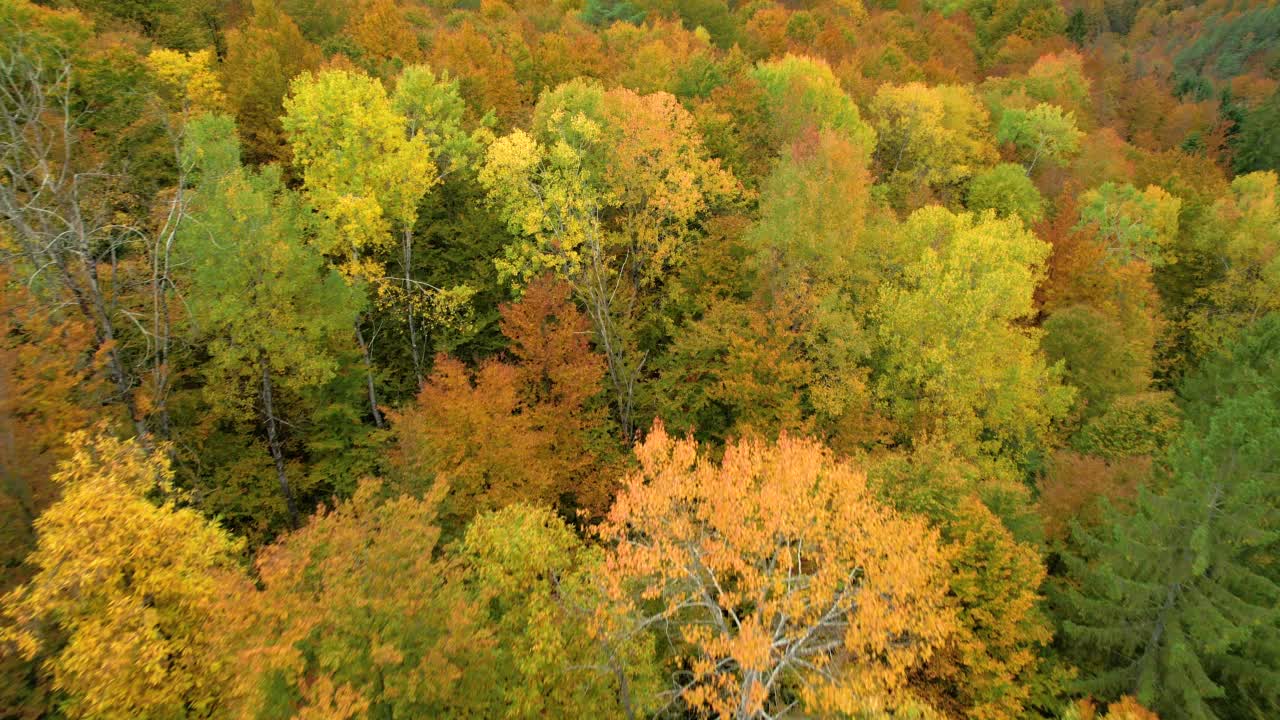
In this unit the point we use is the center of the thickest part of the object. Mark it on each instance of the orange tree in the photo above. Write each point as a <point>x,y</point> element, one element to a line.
<point>778,578</point>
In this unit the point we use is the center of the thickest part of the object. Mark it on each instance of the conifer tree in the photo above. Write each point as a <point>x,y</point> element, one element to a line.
<point>1178,602</point>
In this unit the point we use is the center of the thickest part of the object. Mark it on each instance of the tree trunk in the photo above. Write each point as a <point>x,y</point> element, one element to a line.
<point>408,296</point>
<point>273,439</point>
<point>368,375</point>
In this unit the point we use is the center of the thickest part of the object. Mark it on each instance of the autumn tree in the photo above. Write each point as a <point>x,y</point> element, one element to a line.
<point>356,617</point>
<point>262,57</point>
<point>1126,708</point>
<point>954,361</point>
<point>1074,486</point>
<point>125,582</point>
<point>55,201</point>
<point>272,313</point>
<point>993,665</point>
<point>1107,294</point>
<point>1242,236</point>
<point>367,159</point>
<point>517,431</point>
<point>777,578</point>
<point>607,193</point>
<point>930,136</point>
<point>383,34</point>
<point>552,656</point>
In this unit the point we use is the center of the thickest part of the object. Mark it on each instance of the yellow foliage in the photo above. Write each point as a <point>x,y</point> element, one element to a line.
<point>118,608</point>
<point>188,82</point>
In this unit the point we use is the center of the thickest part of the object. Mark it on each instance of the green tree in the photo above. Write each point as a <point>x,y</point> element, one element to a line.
<point>536,577</point>
<point>273,314</point>
<point>1096,358</point>
<point>1043,133</point>
<point>1257,146</point>
<point>1177,603</point>
<point>1006,189</point>
<point>802,94</point>
<point>1131,223</point>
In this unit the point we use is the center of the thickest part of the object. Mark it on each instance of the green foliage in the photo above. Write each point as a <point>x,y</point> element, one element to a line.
<point>1228,44</point>
<point>802,93</point>
<point>1043,133</point>
<point>1133,224</point>
<point>1008,191</point>
<point>264,295</point>
<point>1257,147</point>
<point>1178,601</point>
<point>535,577</point>
<point>1095,356</point>
<point>1143,424</point>
<point>606,12</point>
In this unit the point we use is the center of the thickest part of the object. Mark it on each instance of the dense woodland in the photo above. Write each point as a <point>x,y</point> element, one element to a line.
<point>640,359</point>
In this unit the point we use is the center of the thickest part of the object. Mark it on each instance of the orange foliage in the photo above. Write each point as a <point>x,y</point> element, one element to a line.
<point>486,72</point>
<point>1074,485</point>
<point>379,28</point>
<point>1126,708</point>
<point>512,431</point>
<point>773,568</point>
<point>48,388</point>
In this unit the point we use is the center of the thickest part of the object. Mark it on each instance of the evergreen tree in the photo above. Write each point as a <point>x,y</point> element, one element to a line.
<point>1258,144</point>
<point>1179,603</point>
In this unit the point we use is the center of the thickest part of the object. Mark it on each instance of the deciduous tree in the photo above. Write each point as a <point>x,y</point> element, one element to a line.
<point>777,577</point>
<point>119,605</point>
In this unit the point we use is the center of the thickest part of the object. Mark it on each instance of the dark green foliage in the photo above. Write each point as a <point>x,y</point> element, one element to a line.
<point>1257,147</point>
<point>603,13</point>
<point>181,24</point>
<point>1227,46</point>
<point>1096,358</point>
<point>1178,603</point>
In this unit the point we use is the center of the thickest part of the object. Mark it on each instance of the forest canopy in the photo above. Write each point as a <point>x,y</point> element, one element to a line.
<point>639,359</point>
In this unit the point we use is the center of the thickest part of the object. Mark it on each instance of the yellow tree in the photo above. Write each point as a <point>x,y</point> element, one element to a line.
<point>367,159</point>
<point>931,136</point>
<point>607,192</point>
<point>776,576</point>
<point>1243,238</point>
<point>124,586</point>
<point>991,668</point>
<point>954,358</point>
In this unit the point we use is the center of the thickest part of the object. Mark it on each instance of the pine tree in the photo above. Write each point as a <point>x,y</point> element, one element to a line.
<point>1178,602</point>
